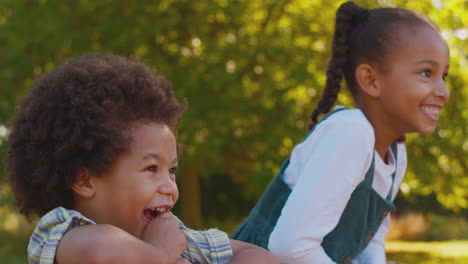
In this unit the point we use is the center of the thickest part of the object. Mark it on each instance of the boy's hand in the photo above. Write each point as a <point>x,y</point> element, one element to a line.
<point>183,261</point>
<point>164,233</point>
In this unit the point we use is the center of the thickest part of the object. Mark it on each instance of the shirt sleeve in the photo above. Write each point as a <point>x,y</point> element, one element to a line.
<point>49,231</point>
<point>331,162</point>
<point>210,246</point>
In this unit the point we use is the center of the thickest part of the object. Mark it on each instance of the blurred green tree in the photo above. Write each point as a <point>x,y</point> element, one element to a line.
<point>252,71</point>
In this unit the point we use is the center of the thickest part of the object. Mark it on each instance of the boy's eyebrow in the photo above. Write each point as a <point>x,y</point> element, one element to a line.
<point>157,157</point>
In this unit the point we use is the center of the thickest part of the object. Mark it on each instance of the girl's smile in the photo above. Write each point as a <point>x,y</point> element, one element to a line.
<point>431,111</point>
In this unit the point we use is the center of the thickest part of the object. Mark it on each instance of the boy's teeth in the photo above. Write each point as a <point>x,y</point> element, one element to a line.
<point>159,209</point>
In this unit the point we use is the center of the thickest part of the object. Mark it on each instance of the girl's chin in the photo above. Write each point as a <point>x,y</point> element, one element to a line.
<point>427,131</point>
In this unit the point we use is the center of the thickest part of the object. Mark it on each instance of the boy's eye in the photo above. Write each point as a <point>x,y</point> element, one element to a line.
<point>426,73</point>
<point>173,170</point>
<point>152,168</point>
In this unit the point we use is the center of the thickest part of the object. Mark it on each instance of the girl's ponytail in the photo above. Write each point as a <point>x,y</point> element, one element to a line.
<point>346,16</point>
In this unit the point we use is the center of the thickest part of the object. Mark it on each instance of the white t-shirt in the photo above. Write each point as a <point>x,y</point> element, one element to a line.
<point>323,172</point>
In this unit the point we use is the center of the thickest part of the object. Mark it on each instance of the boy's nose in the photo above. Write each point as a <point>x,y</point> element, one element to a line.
<point>169,187</point>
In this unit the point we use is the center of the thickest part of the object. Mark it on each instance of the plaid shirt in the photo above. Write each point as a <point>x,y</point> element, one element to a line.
<point>210,246</point>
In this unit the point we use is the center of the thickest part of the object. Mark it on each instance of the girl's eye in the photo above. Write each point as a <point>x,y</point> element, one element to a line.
<point>444,76</point>
<point>173,170</point>
<point>426,73</point>
<point>152,168</point>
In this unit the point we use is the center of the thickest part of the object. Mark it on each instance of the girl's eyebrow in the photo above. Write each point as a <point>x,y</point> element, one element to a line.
<point>433,62</point>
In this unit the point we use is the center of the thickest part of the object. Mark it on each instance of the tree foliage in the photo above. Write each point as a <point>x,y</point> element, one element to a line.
<point>252,71</point>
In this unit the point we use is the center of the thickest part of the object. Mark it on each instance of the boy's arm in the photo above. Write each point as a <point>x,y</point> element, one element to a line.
<point>214,246</point>
<point>163,242</point>
<point>248,253</point>
<point>101,244</point>
<point>105,244</point>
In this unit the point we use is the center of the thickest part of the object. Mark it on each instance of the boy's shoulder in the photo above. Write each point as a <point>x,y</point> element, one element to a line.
<point>49,231</point>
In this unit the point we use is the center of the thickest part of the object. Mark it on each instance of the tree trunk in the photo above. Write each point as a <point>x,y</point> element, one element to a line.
<point>190,199</point>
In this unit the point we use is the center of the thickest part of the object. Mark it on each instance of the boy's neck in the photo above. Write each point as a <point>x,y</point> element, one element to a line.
<point>81,205</point>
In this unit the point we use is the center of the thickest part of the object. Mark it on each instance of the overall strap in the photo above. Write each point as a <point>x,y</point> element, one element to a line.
<point>369,177</point>
<point>325,118</point>
<point>394,149</point>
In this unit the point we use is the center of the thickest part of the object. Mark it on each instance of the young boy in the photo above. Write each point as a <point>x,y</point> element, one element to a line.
<point>93,150</point>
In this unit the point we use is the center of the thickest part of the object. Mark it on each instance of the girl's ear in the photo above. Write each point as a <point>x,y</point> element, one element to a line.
<point>84,185</point>
<point>366,78</point>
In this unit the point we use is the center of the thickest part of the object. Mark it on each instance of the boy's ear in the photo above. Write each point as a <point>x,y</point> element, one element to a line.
<point>84,185</point>
<point>366,78</point>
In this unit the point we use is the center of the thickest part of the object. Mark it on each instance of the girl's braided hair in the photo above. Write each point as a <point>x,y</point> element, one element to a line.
<point>361,35</point>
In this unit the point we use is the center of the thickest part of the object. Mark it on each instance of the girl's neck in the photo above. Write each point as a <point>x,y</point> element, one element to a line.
<point>384,134</point>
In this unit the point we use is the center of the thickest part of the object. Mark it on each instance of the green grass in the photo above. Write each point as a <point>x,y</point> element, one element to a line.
<point>13,251</point>
<point>446,252</point>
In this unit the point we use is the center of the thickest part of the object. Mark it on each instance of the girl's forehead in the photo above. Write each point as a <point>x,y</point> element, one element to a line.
<point>417,42</point>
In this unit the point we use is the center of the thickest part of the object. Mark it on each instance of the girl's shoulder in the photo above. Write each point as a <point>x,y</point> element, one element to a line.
<point>345,114</point>
<point>340,130</point>
<point>350,121</point>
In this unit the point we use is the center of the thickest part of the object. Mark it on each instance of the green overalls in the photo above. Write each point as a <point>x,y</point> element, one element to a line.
<point>359,222</point>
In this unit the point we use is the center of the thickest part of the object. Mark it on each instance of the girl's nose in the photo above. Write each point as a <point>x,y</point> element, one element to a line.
<point>442,91</point>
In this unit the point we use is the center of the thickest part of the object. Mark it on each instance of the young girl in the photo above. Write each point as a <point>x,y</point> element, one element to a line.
<point>93,150</point>
<point>331,200</point>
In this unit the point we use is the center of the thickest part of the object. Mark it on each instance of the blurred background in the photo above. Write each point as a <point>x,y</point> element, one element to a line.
<point>251,71</point>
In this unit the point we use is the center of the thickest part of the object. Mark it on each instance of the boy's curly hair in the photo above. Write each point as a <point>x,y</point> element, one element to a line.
<point>79,116</point>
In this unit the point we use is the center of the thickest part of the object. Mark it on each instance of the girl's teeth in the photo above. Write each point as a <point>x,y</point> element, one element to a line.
<point>431,111</point>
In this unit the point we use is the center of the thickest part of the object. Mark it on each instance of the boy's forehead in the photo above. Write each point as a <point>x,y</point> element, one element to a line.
<point>156,156</point>
<point>153,140</point>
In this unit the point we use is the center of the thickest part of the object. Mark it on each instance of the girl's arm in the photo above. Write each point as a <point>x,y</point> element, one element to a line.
<point>248,253</point>
<point>329,165</point>
<point>374,253</point>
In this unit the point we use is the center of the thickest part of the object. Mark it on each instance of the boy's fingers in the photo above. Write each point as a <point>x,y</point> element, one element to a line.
<point>166,214</point>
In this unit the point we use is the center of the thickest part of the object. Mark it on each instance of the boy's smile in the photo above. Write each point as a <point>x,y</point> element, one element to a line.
<point>153,212</point>
<point>140,184</point>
